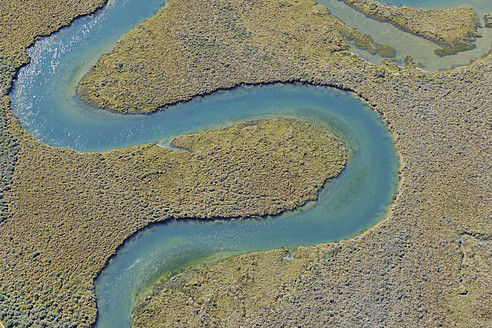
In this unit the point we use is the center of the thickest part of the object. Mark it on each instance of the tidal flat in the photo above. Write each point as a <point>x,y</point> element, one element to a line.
<point>454,29</point>
<point>408,270</point>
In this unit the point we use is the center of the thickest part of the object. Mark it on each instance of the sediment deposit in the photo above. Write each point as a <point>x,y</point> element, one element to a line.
<point>454,29</point>
<point>406,271</point>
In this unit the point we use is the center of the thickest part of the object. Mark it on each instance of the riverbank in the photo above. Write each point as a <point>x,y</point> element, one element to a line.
<point>158,64</point>
<point>20,27</point>
<point>248,170</point>
<point>22,24</point>
<point>402,272</point>
<point>453,29</point>
<point>427,128</point>
<point>423,126</point>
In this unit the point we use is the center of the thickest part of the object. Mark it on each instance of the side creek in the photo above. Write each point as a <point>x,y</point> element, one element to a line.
<point>44,101</point>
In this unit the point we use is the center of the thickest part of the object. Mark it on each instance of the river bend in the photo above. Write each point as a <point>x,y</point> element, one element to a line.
<point>44,101</point>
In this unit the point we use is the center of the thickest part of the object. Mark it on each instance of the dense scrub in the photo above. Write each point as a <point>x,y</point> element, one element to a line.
<point>23,21</point>
<point>405,272</point>
<point>8,157</point>
<point>70,211</point>
<point>454,29</point>
<point>420,267</point>
<point>7,72</point>
<point>159,63</point>
<point>8,144</point>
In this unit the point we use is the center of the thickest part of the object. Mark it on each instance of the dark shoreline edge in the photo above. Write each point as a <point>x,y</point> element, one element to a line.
<point>168,220</point>
<point>383,218</point>
<point>374,108</point>
<point>446,49</point>
<point>47,35</point>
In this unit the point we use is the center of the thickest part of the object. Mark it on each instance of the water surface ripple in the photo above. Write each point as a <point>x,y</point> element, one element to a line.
<point>44,101</point>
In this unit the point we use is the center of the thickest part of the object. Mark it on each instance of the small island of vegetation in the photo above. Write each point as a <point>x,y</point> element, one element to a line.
<point>157,64</point>
<point>64,213</point>
<point>453,29</point>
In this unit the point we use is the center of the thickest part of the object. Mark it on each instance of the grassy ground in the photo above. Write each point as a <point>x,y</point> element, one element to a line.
<point>454,29</point>
<point>23,21</point>
<point>404,271</point>
<point>158,63</point>
<point>407,271</point>
<point>69,211</point>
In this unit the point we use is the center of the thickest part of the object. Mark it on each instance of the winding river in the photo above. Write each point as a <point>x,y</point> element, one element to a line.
<point>45,103</point>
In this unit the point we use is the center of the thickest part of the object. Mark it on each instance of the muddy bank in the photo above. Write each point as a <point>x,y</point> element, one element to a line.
<point>159,63</point>
<point>454,29</point>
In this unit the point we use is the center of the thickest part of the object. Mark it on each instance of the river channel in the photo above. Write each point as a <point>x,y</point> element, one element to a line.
<point>44,101</point>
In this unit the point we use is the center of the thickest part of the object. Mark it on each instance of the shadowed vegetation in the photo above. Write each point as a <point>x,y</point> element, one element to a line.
<point>157,63</point>
<point>69,211</point>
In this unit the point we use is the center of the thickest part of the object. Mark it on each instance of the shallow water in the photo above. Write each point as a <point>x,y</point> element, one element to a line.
<point>420,49</point>
<point>44,95</point>
<point>353,202</point>
<point>477,5</point>
<point>45,103</point>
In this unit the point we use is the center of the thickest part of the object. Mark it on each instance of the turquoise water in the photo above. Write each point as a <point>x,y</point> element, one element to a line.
<point>477,5</point>
<point>351,203</point>
<point>44,101</point>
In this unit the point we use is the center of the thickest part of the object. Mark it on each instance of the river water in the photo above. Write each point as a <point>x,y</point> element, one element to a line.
<point>45,103</point>
<point>421,50</point>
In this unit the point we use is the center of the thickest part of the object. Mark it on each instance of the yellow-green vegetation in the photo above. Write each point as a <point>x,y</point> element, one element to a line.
<point>476,274</point>
<point>453,50</point>
<point>7,72</point>
<point>488,20</point>
<point>23,21</point>
<point>159,63</point>
<point>408,271</point>
<point>248,284</point>
<point>454,29</point>
<point>69,211</point>
<point>8,153</point>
